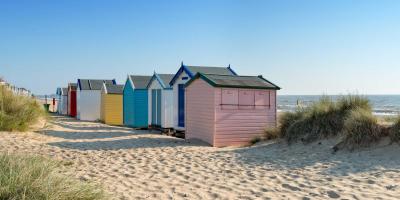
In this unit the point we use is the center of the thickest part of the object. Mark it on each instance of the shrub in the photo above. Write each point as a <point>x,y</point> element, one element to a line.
<point>322,119</point>
<point>26,177</point>
<point>18,113</point>
<point>395,131</point>
<point>361,129</point>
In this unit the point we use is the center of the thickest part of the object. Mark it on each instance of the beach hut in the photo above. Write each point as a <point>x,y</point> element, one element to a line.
<point>184,74</point>
<point>71,105</point>
<point>111,104</point>
<point>229,110</point>
<point>160,101</point>
<point>62,101</point>
<point>58,97</point>
<point>89,98</point>
<point>135,101</point>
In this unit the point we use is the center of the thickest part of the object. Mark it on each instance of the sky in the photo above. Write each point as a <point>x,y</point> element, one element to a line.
<point>305,47</point>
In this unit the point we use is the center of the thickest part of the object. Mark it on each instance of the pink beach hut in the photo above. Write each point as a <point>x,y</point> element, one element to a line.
<point>229,110</point>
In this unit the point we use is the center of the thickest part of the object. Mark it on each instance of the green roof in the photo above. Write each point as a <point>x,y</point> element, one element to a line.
<point>251,82</point>
<point>210,70</point>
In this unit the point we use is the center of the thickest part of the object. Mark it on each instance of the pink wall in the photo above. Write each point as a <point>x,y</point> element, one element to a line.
<point>199,115</point>
<point>244,115</point>
<point>238,124</point>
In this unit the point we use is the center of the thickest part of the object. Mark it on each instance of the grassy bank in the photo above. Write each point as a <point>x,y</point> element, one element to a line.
<point>27,177</point>
<point>18,113</point>
<point>349,118</point>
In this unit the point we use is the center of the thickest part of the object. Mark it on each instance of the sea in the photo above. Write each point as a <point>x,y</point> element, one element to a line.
<point>382,105</point>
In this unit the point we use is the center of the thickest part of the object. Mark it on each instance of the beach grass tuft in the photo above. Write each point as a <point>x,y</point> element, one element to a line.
<point>361,129</point>
<point>272,133</point>
<point>18,113</point>
<point>34,177</point>
<point>395,131</point>
<point>324,118</point>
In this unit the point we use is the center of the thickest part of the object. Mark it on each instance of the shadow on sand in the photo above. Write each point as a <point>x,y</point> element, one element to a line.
<point>132,143</point>
<point>74,124</point>
<point>300,157</point>
<point>102,134</point>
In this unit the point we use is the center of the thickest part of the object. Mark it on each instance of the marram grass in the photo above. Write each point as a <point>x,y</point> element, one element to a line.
<point>37,178</point>
<point>361,129</point>
<point>349,117</point>
<point>324,118</point>
<point>395,131</point>
<point>18,113</point>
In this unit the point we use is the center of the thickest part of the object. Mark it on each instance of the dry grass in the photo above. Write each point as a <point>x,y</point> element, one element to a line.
<point>361,129</point>
<point>33,177</point>
<point>349,117</point>
<point>272,133</point>
<point>18,113</point>
<point>324,118</point>
<point>395,131</point>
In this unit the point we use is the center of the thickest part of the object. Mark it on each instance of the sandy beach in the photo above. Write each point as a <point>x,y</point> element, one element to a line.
<point>139,164</point>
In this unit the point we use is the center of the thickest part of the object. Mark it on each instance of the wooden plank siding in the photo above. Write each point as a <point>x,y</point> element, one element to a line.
<point>112,109</point>
<point>236,124</point>
<point>200,112</point>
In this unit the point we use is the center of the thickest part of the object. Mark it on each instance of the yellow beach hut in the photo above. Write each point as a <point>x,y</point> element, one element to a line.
<point>111,111</point>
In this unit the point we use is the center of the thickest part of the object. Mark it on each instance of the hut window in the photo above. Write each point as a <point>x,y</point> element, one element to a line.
<point>229,97</point>
<point>262,98</point>
<point>246,98</point>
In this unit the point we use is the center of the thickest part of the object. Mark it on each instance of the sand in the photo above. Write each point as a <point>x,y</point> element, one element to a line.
<point>134,164</point>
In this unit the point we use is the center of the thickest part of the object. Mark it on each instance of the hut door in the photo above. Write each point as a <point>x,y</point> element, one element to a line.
<point>153,107</point>
<point>158,108</point>
<point>181,105</point>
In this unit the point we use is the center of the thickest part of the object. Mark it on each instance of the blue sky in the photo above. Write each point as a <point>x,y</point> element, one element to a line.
<point>306,47</point>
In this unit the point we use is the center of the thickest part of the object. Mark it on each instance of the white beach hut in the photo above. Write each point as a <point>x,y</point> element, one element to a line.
<point>89,98</point>
<point>62,105</point>
<point>160,101</point>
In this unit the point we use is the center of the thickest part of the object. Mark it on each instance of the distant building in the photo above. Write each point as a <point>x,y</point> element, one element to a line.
<point>14,89</point>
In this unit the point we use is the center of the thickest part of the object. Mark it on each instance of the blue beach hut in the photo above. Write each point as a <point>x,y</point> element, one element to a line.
<point>135,101</point>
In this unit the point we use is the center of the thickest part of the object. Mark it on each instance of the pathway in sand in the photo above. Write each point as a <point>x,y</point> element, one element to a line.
<point>135,164</point>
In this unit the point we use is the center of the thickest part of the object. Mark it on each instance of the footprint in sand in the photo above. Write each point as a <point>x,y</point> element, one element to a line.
<point>333,195</point>
<point>293,188</point>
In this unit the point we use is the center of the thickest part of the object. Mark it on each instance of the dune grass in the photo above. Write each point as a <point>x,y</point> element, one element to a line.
<point>395,131</point>
<point>18,113</point>
<point>36,178</point>
<point>349,117</point>
<point>324,118</point>
<point>361,129</point>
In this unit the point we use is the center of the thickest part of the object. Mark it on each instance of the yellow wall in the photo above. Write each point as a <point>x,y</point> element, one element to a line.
<point>111,109</point>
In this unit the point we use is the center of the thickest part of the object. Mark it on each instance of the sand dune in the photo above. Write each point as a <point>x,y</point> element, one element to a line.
<point>135,164</point>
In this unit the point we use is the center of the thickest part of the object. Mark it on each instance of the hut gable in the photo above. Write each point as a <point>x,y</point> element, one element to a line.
<point>162,79</point>
<point>93,84</point>
<point>191,71</point>
<point>112,89</point>
<point>64,91</point>
<point>138,81</point>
